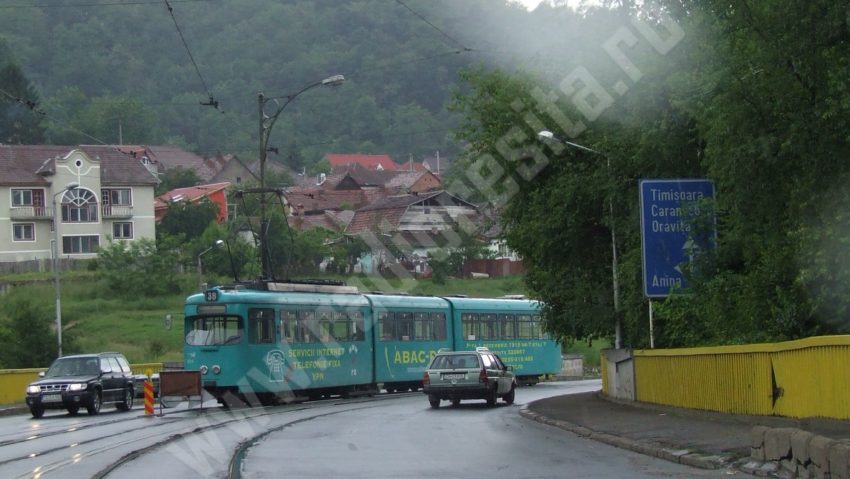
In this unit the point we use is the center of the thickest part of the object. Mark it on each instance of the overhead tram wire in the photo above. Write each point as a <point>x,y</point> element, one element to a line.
<point>212,101</point>
<point>422,17</point>
<point>102,4</point>
<point>33,106</point>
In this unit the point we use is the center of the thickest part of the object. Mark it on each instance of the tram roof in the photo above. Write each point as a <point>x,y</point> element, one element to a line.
<point>285,298</point>
<point>490,303</point>
<point>402,301</point>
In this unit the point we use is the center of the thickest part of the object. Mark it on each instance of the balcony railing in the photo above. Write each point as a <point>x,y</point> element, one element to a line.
<point>117,212</point>
<point>31,213</point>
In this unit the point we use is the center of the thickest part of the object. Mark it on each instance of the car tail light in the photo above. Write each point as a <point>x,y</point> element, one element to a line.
<point>482,376</point>
<point>426,380</point>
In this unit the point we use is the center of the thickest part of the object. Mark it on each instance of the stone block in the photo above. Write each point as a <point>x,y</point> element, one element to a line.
<point>839,460</point>
<point>777,443</point>
<point>819,448</point>
<point>800,445</point>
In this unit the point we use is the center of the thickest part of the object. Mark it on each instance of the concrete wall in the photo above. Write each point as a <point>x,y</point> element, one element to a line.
<point>619,374</point>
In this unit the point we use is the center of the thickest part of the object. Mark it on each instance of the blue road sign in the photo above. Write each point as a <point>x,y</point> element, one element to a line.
<point>668,210</point>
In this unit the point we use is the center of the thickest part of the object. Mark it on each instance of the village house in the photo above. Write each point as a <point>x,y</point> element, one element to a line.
<point>84,196</point>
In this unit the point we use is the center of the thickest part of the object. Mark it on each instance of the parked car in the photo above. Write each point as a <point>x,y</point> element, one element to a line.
<point>83,380</point>
<point>479,374</point>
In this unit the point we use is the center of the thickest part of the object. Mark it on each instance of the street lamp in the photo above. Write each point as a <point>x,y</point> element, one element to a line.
<point>618,328</point>
<point>201,265</point>
<point>55,251</point>
<point>266,124</point>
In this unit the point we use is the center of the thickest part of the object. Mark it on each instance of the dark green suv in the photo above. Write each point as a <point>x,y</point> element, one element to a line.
<point>83,380</point>
<point>479,374</point>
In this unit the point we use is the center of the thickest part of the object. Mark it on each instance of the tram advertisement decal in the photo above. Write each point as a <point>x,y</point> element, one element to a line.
<point>282,364</point>
<point>512,353</point>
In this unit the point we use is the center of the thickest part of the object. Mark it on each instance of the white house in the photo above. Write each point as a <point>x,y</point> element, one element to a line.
<point>90,193</point>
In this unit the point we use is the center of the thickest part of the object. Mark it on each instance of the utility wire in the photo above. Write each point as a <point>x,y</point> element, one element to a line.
<point>422,17</point>
<point>33,106</point>
<point>212,101</point>
<point>104,4</point>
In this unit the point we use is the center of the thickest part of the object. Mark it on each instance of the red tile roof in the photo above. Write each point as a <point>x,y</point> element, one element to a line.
<point>371,162</point>
<point>319,199</point>
<point>192,193</point>
<point>411,165</point>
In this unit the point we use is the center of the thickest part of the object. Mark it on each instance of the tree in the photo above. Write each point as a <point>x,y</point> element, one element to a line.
<point>21,120</point>
<point>187,218</point>
<point>176,178</point>
<point>26,332</point>
<point>131,269</point>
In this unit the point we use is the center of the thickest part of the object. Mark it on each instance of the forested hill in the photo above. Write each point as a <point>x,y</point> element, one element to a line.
<point>122,68</point>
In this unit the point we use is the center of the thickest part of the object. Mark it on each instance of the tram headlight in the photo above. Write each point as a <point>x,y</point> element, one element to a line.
<point>204,369</point>
<point>216,369</point>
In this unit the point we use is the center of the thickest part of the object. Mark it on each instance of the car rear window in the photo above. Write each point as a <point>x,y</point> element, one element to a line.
<point>456,361</point>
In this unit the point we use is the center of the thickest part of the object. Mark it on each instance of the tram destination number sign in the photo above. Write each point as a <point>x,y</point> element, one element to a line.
<point>668,210</point>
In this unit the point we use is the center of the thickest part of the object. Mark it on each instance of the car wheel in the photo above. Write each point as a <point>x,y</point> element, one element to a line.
<point>491,398</point>
<point>127,404</point>
<point>94,406</point>
<point>455,402</point>
<point>73,410</point>
<point>435,401</point>
<point>37,411</point>
<point>509,397</point>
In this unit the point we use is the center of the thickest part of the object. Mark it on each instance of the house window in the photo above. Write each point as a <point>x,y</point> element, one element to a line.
<point>23,198</point>
<point>80,244</point>
<point>79,206</point>
<point>116,197</point>
<point>23,232</point>
<point>122,230</point>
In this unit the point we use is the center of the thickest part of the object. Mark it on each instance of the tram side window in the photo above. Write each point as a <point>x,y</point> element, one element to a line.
<point>261,325</point>
<point>439,329</point>
<point>386,326</point>
<point>308,328</point>
<point>422,327</point>
<point>358,331</point>
<point>289,325</point>
<point>508,324</point>
<point>325,325</point>
<point>470,326</point>
<point>214,331</point>
<point>341,328</point>
<point>404,326</point>
<point>489,326</point>
<point>529,327</point>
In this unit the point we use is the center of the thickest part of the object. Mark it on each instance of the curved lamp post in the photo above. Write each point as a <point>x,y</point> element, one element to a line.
<point>201,265</point>
<point>267,121</point>
<point>55,250</point>
<point>618,328</point>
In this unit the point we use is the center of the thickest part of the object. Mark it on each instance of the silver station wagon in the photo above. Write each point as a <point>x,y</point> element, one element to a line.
<point>457,375</point>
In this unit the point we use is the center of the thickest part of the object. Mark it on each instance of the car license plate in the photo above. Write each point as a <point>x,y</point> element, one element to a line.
<point>454,376</point>
<point>51,398</point>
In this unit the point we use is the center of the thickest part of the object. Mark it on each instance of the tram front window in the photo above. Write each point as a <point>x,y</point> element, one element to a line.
<point>214,331</point>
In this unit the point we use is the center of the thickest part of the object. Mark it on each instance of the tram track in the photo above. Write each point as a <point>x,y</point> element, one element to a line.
<point>245,444</point>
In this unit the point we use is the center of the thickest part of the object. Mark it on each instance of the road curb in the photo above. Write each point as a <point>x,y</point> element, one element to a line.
<point>13,410</point>
<point>680,456</point>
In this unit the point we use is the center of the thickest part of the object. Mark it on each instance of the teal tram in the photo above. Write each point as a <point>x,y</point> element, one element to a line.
<point>281,342</point>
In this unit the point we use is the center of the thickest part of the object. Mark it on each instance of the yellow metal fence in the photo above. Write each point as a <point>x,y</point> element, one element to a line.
<point>13,382</point>
<point>803,378</point>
